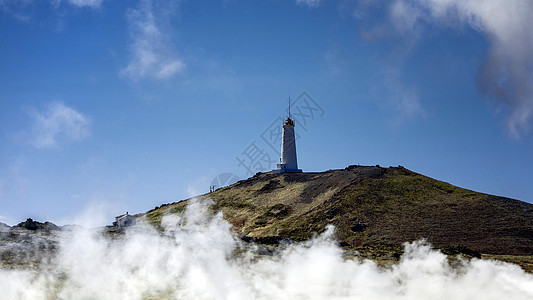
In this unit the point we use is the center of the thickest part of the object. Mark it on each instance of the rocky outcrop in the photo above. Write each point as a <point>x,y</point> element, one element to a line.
<point>34,225</point>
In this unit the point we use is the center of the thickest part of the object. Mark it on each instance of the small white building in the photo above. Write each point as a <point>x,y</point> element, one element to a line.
<point>124,220</point>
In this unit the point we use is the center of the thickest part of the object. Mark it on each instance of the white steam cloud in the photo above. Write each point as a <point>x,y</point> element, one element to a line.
<point>151,56</point>
<point>56,123</point>
<point>195,258</point>
<point>507,73</point>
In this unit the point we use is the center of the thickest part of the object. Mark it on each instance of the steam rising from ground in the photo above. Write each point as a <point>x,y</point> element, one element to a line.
<point>198,257</point>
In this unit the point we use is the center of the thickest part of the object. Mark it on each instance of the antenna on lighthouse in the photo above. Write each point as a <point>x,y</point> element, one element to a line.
<point>289,107</point>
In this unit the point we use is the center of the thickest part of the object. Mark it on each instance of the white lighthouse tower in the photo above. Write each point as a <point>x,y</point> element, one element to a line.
<point>288,162</point>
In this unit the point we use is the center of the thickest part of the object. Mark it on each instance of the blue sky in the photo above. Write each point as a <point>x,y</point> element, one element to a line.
<point>108,106</point>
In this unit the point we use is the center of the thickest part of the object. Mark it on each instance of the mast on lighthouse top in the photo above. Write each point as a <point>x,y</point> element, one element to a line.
<point>289,107</point>
<point>289,121</point>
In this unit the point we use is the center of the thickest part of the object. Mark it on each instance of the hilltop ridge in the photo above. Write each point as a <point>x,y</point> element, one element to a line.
<point>371,206</point>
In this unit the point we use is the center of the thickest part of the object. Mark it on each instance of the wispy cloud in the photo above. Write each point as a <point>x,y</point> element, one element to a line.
<point>80,3</point>
<point>389,88</point>
<point>58,123</point>
<point>310,3</point>
<point>19,9</point>
<point>333,62</point>
<point>23,10</point>
<point>507,73</point>
<point>86,3</point>
<point>151,55</point>
<point>405,100</point>
<point>389,91</point>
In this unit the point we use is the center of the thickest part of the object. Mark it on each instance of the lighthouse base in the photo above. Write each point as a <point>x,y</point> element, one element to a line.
<point>282,168</point>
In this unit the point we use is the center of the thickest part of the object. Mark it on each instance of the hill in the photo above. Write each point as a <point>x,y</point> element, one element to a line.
<point>373,209</point>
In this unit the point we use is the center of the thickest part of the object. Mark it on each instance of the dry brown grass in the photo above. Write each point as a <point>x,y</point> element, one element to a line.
<point>392,205</point>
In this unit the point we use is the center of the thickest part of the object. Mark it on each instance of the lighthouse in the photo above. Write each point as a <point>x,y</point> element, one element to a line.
<point>288,162</point>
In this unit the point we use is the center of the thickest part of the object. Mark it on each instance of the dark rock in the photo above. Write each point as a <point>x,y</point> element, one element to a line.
<point>271,185</point>
<point>396,255</point>
<point>268,240</point>
<point>352,167</point>
<point>344,244</point>
<point>279,211</point>
<point>30,224</point>
<point>455,250</point>
<point>358,227</point>
<point>330,214</point>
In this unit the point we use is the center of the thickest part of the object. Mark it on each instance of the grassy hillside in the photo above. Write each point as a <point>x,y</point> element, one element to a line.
<point>372,208</point>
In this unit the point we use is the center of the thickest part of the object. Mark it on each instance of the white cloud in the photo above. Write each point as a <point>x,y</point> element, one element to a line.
<point>56,123</point>
<point>169,68</point>
<point>86,3</point>
<point>333,62</point>
<point>507,74</point>
<point>19,9</point>
<point>390,91</point>
<point>23,10</point>
<point>80,3</point>
<point>310,3</point>
<point>151,57</point>
<point>404,15</point>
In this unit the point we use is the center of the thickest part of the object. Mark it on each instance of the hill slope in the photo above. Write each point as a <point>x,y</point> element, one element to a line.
<point>371,207</point>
